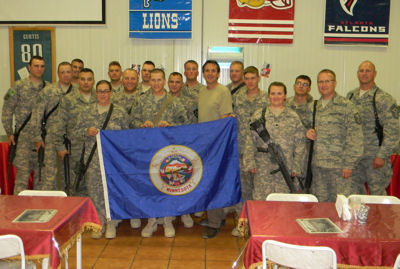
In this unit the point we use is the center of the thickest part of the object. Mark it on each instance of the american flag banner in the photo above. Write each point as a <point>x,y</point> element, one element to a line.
<point>261,21</point>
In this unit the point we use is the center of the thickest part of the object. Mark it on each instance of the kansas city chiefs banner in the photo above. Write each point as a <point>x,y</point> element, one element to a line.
<point>357,22</point>
<point>261,21</point>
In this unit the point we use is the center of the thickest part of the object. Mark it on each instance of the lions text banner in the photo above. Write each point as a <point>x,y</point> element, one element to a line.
<point>158,172</point>
<point>160,19</point>
<point>261,21</point>
<point>357,22</point>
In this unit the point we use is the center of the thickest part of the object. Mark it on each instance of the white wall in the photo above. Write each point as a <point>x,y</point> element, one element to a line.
<point>98,45</point>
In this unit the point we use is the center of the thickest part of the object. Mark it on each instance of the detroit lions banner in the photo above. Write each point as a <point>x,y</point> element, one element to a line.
<point>158,172</point>
<point>357,22</point>
<point>160,19</point>
<point>261,21</point>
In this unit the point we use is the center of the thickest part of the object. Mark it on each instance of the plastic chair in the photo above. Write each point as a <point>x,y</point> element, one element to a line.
<point>42,193</point>
<point>300,257</point>
<point>11,245</point>
<point>292,197</point>
<point>375,199</point>
<point>397,263</point>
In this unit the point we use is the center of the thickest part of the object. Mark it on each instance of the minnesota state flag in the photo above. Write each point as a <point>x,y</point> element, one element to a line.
<point>158,172</point>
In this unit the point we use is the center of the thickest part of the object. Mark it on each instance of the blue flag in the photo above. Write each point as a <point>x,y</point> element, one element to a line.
<point>172,171</point>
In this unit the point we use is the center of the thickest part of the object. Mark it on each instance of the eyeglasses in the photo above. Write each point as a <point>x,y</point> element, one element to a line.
<point>305,84</point>
<point>102,92</point>
<point>324,81</point>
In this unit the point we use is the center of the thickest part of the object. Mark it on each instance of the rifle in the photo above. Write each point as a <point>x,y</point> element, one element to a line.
<point>275,152</point>
<point>67,178</point>
<point>308,179</point>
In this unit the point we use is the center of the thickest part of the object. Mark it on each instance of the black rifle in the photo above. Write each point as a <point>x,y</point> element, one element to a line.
<point>275,152</point>
<point>67,178</point>
<point>82,166</point>
<point>308,180</point>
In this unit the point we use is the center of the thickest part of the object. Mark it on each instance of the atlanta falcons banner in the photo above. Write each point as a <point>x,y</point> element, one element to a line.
<point>357,22</point>
<point>158,172</point>
<point>261,21</point>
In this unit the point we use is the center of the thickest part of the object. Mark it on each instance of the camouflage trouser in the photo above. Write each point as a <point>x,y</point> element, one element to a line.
<point>266,183</point>
<point>246,180</point>
<point>94,187</point>
<point>377,179</point>
<point>328,182</point>
<point>49,171</point>
<point>26,160</point>
<point>74,159</point>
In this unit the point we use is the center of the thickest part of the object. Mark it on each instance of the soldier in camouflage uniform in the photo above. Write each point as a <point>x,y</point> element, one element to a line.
<point>68,112</point>
<point>128,97</point>
<point>285,129</point>
<point>18,103</point>
<point>88,126</point>
<point>144,85</point>
<point>115,74</point>
<point>175,84</point>
<point>245,103</point>
<point>77,65</point>
<point>191,87</point>
<point>302,98</point>
<point>236,75</point>
<point>300,103</point>
<point>157,108</point>
<point>374,166</point>
<point>45,108</point>
<point>338,140</point>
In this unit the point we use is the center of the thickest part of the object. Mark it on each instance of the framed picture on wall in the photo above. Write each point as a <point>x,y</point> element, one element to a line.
<point>26,42</point>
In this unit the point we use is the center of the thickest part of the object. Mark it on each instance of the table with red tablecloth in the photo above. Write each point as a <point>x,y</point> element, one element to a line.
<point>48,240</point>
<point>371,245</point>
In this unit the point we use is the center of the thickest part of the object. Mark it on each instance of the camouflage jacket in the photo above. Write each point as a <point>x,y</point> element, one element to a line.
<point>127,101</point>
<point>339,140</point>
<point>118,121</point>
<point>46,101</point>
<point>69,111</point>
<point>148,107</point>
<point>244,109</point>
<point>18,102</point>
<point>301,109</point>
<point>388,115</point>
<point>287,131</point>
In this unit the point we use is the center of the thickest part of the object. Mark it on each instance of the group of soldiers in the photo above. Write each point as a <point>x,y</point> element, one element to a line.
<point>352,138</point>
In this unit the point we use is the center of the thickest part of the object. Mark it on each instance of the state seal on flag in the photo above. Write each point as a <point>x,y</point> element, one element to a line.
<point>176,170</point>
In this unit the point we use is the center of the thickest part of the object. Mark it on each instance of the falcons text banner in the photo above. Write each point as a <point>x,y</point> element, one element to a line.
<point>357,22</point>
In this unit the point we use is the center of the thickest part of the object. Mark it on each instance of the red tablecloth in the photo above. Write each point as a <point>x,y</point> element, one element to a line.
<point>7,185</point>
<point>376,243</point>
<point>48,240</point>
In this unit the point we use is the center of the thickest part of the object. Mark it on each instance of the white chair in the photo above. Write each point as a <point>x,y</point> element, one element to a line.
<point>397,263</point>
<point>292,197</point>
<point>375,199</point>
<point>42,193</point>
<point>300,257</point>
<point>11,245</point>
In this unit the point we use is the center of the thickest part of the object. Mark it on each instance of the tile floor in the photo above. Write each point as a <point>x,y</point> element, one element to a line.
<point>186,250</point>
